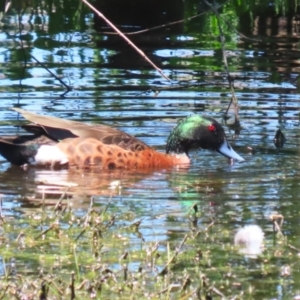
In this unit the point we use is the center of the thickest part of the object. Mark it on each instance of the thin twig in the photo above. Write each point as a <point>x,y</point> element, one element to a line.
<point>60,200</point>
<point>20,44</point>
<point>107,205</point>
<point>293,248</point>
<point>184,20</point>
<point>1,211</point>
<point>216,291</point>
<point>125,38</point>
<point>49,71</point>
<point>236,31</point>
<point>72,286</point>
<point>230,79</point>
<point>164,270</point>
<point>158,26</point>
<point>4,292</point>
<point>46,231</point>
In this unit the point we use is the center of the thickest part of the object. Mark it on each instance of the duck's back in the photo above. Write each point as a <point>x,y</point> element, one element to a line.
<point>59,129</point>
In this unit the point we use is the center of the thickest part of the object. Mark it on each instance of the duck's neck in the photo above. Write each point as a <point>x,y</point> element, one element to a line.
<point>180,159</point>
<point>159,159</point>
<point>173,159</point>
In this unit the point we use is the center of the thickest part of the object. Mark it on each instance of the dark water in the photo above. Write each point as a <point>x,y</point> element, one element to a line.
<point>112,84</point>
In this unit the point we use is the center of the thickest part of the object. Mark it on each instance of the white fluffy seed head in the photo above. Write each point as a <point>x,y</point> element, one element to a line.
<point>250,239</point>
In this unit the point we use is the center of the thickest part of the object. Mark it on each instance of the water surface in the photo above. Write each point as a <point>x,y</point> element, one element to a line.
<point>111,84</point>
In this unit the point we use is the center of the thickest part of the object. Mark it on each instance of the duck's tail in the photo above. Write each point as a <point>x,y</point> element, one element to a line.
<point>18,154</point>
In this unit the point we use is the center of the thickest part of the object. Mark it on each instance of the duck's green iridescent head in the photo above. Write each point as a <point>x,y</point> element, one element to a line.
<point>200,132</point>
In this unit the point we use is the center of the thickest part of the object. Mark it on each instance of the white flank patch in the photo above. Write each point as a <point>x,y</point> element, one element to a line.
<point>50,155</point>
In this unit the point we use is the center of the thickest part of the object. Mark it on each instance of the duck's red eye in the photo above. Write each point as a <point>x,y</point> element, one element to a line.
<point>211,127</point>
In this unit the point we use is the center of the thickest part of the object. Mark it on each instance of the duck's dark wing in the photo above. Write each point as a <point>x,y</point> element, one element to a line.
<point>58,129</point>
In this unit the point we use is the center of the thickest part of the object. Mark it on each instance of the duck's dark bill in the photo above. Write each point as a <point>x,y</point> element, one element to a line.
<point>227,151</point>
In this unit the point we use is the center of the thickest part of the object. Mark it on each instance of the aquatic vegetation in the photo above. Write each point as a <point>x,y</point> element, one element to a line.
<point>58,251</point>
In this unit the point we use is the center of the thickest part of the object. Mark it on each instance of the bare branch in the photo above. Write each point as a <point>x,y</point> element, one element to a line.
<point>125,38</point>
